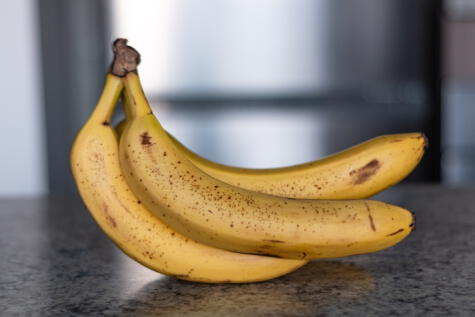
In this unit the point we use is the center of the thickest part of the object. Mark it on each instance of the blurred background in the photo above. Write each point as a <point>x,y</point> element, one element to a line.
<point>248,83</point>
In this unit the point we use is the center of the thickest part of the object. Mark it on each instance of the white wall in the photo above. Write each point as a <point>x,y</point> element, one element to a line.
<point>22,142</point>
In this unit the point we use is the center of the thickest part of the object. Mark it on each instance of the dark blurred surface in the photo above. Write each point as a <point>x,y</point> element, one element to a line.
<point>56,262</point>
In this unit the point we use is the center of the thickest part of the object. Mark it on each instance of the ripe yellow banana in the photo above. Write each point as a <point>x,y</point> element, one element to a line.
<point>358,172</point>
<point>141,235</point>
<point>216,213</point>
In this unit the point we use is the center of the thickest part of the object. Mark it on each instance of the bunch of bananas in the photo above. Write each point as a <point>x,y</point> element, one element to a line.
<point>184,216</point>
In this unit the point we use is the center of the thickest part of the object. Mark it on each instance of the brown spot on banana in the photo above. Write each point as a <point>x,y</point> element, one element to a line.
<point>274,241</point>
<point>109,218</point>
<point>145,138</point>
<point>180,276</point>
<point>364,173</point>
<point>395,141</point>
<point>395,232</point>
<point>271,255</point>
<point>371,221</point>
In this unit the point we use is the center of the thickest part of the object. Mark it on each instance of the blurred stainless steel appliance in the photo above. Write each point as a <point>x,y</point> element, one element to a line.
<point>271,83</point>
<point>305,77</point>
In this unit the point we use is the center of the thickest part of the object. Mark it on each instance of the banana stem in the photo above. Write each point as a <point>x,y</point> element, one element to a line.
<point>138,103</point>
<point>126,105</point>
<point>126,58</point>
<point>110,95</point>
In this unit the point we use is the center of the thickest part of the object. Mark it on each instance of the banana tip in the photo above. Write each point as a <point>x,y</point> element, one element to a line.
<point>426,140</point>
<point>412,225</point>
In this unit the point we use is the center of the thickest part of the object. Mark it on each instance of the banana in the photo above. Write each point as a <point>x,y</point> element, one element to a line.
<point>224,216</point>
<point>358,172</point>
<point>134,229</point>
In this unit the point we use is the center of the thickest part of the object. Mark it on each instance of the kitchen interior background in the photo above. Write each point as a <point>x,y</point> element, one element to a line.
<point>249,83</point>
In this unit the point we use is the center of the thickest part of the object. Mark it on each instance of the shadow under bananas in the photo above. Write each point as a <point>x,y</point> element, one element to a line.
<point>309,290</point>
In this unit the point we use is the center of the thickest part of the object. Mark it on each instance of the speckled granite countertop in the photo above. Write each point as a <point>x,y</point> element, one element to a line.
<point>56,262</point>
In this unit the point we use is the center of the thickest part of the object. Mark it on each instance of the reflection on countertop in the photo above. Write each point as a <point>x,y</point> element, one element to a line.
<point>307,291</point>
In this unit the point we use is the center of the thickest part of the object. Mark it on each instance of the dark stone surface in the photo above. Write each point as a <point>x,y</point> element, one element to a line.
<point>56,262</point>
